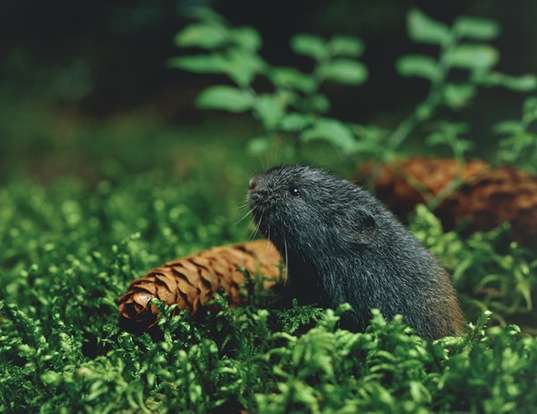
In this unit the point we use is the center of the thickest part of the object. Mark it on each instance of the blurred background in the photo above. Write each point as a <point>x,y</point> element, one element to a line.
<point>84,86</point>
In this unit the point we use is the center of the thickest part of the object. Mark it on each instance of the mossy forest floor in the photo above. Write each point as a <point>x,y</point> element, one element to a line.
<point>85,208</point>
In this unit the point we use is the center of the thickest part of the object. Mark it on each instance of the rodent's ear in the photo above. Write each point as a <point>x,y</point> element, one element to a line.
<point>364,226</point>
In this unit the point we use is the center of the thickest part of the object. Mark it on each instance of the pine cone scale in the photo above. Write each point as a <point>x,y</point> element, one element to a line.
<point>191,282</point>
<point>486,196</point>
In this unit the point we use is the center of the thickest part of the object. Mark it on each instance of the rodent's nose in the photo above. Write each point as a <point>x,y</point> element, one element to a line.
<point>252,184</point>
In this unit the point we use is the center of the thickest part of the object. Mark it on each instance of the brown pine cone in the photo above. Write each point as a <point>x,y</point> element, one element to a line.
<point>474,193</point>
<point>191,281</point>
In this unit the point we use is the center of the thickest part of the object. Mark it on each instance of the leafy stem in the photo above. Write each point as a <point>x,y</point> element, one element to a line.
<point>427,109</point>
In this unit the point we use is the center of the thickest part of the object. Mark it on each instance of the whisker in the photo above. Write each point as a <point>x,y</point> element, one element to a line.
<point>243,205</point>
<point>252,232</point>
<point>250,211</point>
<point>257,228</point>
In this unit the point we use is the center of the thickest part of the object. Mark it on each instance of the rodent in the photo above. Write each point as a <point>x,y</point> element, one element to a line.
<point>342,245</point>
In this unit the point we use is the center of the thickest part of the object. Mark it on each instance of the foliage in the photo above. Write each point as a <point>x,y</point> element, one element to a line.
<point>489,274</point>
<point>296,106</point>
<point>71,248</point>
<point>518,145</point>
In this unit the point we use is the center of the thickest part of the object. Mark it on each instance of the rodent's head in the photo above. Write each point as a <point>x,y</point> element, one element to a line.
<point>304,209</point>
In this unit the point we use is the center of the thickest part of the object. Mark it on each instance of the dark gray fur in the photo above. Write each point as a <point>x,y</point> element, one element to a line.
<point>342,245</point>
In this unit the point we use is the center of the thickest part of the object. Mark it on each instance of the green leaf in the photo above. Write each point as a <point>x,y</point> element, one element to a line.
<point>311,46</point>
<point>206,36</point>
<point>316,103</point>
<point>242,66</point>
<point>420,66</point>
<point>457,96</point>
<point>474,57</point>
<point>448,134</point>
<point>422,28</point>
<point>476,28</point>
<point>226,98</point>
<point>509,128</point>
<point>295,122</point>
<point>530,110</point>
<point>523,83</point>
<point>293,79</point>
<point>51,378</point>
<point>343,71</point>
<point>330,130</point>
<point>270,109</point>
<point>247,38</point>
<point>346,46</point>
<point>200,63</point>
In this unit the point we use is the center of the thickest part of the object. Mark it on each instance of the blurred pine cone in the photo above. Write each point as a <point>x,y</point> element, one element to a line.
<point>190,282</point>
<point>473,193</point>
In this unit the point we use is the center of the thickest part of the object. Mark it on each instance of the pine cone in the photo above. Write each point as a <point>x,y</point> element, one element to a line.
<point>191,281</point>
<point>484,198</point>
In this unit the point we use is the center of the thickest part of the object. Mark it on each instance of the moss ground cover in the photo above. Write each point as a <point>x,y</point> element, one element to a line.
<point>71,244</point>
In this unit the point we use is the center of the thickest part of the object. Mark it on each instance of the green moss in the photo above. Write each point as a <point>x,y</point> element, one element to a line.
<point>71,248</point>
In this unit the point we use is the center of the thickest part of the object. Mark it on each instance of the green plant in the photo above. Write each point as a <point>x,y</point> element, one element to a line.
<point>518,145</point>
<point>294,105</point>
<point>296,108</point>
<point>72,248</point>
<point>489,274</point>
<point>463,47</point>
<point>450,134</point>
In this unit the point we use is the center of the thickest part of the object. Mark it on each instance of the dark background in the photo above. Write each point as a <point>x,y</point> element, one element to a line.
<point>108,56</point>
<point>89,62</point>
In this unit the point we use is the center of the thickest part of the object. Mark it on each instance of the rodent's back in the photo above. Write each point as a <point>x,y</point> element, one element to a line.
<point>411,282</point>
<point>342,245</point>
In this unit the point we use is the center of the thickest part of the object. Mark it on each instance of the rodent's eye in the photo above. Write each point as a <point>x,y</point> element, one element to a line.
<point>294,191</point>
